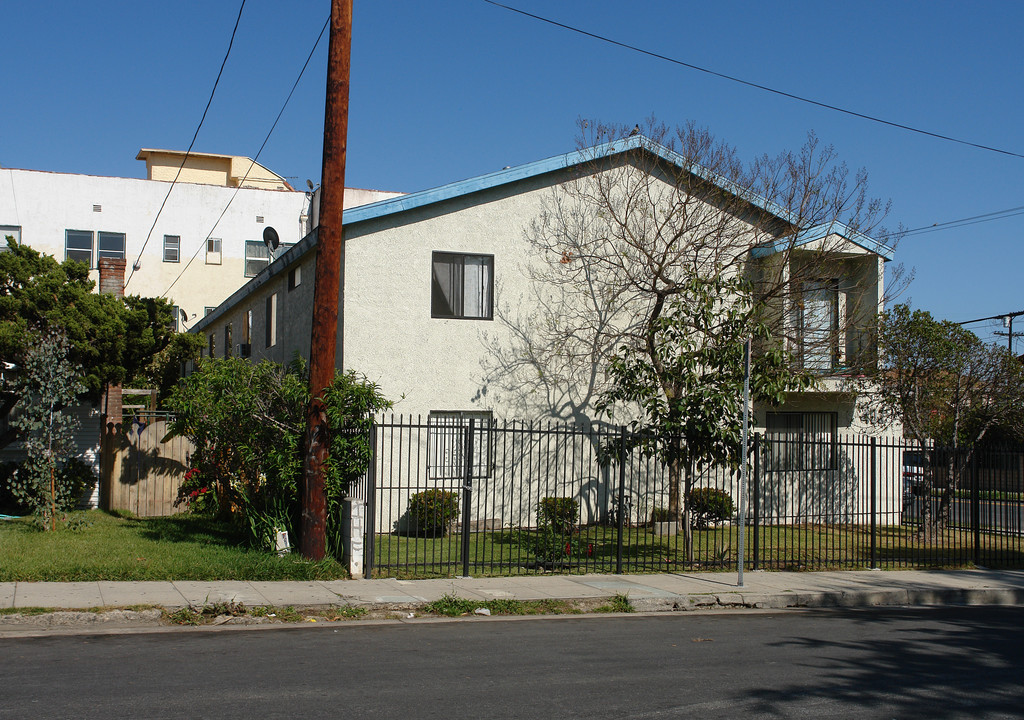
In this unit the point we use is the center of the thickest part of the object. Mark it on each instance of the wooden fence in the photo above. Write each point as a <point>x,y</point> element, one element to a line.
<point>141,471</point>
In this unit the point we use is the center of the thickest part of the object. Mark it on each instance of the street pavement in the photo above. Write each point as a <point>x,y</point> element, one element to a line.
<point>646,593</point>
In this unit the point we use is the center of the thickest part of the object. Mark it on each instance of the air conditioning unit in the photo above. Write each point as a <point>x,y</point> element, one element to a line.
<point>243,350</point>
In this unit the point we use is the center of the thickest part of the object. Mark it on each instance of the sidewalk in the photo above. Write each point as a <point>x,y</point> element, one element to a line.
<point>660,592</point>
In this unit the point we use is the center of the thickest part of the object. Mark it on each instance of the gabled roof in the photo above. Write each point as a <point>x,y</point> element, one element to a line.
<point>609,149</point>
<point>820,232</point>
<point>599,152</point>
<point>552,164</point>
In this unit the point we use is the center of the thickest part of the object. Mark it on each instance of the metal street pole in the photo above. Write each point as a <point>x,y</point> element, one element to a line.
<point>743,464</point>
<point>329,255</point>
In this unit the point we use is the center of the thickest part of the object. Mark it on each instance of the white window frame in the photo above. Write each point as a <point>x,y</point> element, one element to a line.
<point>106,237</point>
<point>270,321</point>
<point>453,292</point>
<point>214,251</point>
<point>172,248</point>
<point>68,250</point>
<point>819,325</point>
<point>257,257</point>
<point>446,437</point>
<point>12,230</point>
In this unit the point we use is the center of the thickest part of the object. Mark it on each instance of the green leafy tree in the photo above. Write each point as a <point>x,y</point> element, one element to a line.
<point>247,422</point>
<point>47,383</point>
<point>941,383</point>
<point>686,381</point>
<point>111,339</point>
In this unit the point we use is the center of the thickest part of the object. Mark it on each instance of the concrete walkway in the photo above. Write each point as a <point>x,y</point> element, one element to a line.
<point>661,592</point>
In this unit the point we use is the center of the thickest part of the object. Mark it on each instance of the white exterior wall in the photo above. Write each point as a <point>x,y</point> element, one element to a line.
<point>430,364</point>
<point>46,204</point>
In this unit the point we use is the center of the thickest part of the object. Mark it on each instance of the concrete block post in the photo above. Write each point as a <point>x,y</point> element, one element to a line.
<point>354,526</point>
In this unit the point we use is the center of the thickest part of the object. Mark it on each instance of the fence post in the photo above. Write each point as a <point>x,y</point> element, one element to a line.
<point>757,501</point>
<point>975,507</point>
<point>874,503</point>
<point>467,490</point>
<point>620,515</point>
<point>371,505</point>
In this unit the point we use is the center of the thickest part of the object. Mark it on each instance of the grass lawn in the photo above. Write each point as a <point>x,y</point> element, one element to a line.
<point>791,547</point>
<point>117,547</point>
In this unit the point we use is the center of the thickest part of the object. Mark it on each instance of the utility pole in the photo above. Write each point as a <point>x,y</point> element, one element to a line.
<point>329,255</point>
<point>1007,319</point>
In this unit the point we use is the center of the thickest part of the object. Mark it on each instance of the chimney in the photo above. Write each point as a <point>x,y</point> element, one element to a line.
<point>111,283</point>
<point>112,276</point>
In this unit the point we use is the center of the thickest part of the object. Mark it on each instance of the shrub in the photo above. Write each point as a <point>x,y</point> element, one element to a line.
<point>247,422</point>
<point>559,512</point>
<point>433,512</point>
<point>550,546</point>
<point>709,505</point>
<point>661,515</point>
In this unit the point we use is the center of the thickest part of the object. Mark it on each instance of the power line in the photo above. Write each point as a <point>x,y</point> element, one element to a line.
<point>962,222</point>
<point>216,82</point>
<point>253,162</point>
<point>748,83</point>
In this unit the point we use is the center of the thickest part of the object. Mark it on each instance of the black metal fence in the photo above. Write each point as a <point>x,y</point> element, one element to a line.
<point>466,496</point>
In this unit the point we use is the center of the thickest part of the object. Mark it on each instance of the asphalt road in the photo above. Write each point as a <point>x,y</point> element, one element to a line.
<point>879,663</point>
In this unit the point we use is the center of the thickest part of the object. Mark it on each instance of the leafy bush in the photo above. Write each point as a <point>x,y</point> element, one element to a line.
<point>709,505</point>
<point>433,512</point>
<point>247,422</point>
<point>661,515</point>
<point>559,512</point>
<point>549,545</point>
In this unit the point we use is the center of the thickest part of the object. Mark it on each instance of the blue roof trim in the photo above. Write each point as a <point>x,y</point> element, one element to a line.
<point>552,164</point>
<point>819,232</point>
<point>608,149</point>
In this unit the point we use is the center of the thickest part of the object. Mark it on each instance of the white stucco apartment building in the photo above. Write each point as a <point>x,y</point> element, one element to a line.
<point>426,275</point>
<point>194,245</point>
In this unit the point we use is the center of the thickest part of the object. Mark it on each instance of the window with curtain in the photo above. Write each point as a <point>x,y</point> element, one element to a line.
<point>819,325</point>
<point>801,440</point>
<point>447,435</point>
<point>462,286</point>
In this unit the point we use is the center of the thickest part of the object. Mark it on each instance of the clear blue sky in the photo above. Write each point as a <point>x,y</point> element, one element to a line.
<point>446,91</point>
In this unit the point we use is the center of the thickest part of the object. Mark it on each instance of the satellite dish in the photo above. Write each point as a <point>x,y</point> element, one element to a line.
<point>309,184</point>
<point>270,238</point>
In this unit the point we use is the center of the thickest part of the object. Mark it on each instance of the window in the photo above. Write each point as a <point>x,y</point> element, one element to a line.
<point>13,231</point>
<point>227,341</point>
<point>447,434</point>
<point>213,344</point>
<point>207,310</point>
<point>819,325</point>
<point>462,286</point>
<point>213,248</point>
<point>271,321</point>
<point>175,314</point>
<point>801,441</point>
<point>111,245</point>
<point>294,277</point>
<point>172,248</point>
<point>257,257</point>
<point>78,246</point>
<point>245,348</point>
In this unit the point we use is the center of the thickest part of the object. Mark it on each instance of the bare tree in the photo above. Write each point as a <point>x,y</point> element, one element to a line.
<point>623,241</point>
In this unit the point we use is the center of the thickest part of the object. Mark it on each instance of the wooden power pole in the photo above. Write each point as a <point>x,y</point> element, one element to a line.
<point>329,254</point>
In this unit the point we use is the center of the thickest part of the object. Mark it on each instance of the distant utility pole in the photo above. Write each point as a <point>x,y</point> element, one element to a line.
<point>329,253</point>
<point>1007,319</point>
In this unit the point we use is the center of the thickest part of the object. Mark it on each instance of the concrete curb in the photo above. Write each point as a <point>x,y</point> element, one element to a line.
<point>836,599</point>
